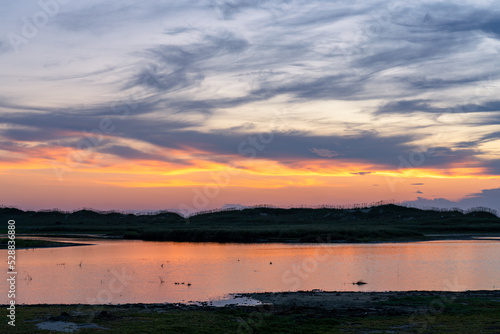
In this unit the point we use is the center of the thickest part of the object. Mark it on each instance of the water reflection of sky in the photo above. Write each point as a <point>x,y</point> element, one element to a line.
<point>130,271</point>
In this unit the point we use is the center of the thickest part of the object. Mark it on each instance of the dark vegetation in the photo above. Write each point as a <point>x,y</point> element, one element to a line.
<point>27,243</point>
<point>387,222</point>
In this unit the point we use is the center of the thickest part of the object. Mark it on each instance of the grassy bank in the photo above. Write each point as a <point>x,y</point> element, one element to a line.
<point>26,243</point>
<point>263,224</point>
<point>416,312</point>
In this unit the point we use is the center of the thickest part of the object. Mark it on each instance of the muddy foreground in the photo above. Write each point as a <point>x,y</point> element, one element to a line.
<point>287,312</point>
<point>372,303</point>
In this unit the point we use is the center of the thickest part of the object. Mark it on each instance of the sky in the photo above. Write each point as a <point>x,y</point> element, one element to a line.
<point>195,105</point>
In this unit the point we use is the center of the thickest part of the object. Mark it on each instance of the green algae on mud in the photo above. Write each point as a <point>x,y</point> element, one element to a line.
<point>293,312</point>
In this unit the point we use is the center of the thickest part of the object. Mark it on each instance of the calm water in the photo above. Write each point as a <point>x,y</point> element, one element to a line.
<point>119,271</point>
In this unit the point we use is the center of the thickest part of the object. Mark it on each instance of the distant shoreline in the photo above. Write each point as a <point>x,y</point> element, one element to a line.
<point>383,223</point>
<point>22,243</point>
<point>29,243</point>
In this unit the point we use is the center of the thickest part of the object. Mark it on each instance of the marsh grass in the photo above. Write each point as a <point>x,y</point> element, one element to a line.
<point>466,315</point>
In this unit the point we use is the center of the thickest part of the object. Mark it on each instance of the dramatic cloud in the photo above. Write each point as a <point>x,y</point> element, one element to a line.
<point>412,106</point>
<point>365,89</point>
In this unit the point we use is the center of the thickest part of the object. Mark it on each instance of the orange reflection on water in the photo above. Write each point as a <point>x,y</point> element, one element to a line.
<point>118,271</point>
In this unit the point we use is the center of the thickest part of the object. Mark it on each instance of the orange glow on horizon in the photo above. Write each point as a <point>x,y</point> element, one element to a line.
<point>194,171</point>
<point>107,181</point>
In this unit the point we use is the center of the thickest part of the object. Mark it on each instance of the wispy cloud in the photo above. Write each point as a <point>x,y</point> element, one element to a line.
<point>360,83</point>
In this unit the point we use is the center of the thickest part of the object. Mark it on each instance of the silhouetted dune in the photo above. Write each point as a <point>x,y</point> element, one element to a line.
<point>387,222</point>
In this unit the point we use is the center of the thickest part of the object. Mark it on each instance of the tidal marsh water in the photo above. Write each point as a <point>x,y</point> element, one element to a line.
<point>132,271</point>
